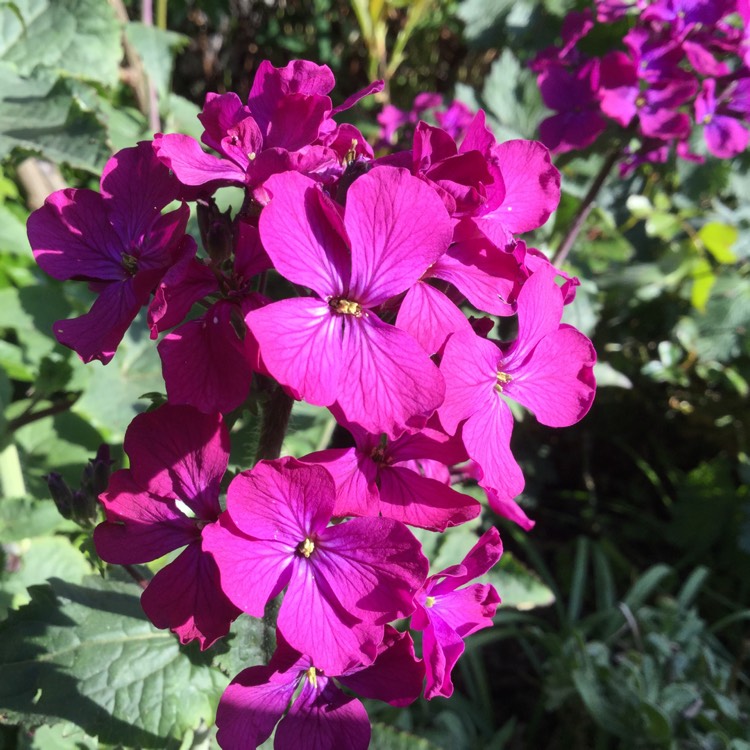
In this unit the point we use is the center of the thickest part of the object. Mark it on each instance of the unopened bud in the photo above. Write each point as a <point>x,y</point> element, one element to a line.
<point>61,494</point>
<point>216,230</point>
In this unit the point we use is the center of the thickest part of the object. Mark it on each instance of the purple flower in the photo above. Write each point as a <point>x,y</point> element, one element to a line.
<point>726,136</point>
<point>343,582</point>
<point>574,96</point>
<point>336,348</point>
<point>447,614</point>
<point>208,362</point>
<point>548,369</point>
<point>166,500</point>
<point>381,477</point>
<point>321,716</point>
<point>117,240</point>
<point>287,111</point>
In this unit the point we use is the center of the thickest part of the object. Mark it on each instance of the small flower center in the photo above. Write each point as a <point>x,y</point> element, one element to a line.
<point>312,676</point>
<point>378,453</point>
<point>306,548</point>
<point>130,263</point>
<point>501,379</point>
<point>345,306</point>
<point>429,602</point>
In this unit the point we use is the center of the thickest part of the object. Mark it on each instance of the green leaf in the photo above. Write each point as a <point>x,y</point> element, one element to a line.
<point>657,726</point>
<point>512,98</point>
<point>64,736</point>
<point>723,328</point>
<point>482,16</point>
<point>63,443</point>
<point>606,375</point>
<point>13,237</point>
<point>519,587</point>
<point>36,560</point>
<point>113,395</point>
<point>156,48</point>
<point>703,281</point>
<point>719,239</point>
<point>310,428</point>
<point>43,116</point>
<point>385,737</point>
<point>78,38</point>
<point>22,517</point>
<point>249,643</point>
<point>86,654</point>
<point>30,312</point>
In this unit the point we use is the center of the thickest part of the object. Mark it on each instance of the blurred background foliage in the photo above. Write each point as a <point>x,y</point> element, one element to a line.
<point>627,607</point>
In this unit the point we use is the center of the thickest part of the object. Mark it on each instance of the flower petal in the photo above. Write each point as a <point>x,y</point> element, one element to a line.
<point>311,359</point>
<point>139,526</point>
<point>387,382</point>
<point>398,227</point>
<point>188,460</point>
<point>186,596</point>
<point>304,236</point>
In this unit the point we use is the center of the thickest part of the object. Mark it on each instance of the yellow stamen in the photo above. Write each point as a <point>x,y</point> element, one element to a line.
<point>251,156</point>
<point>346,307</point>
<point>312,676</point>
<point>306,548</point>
<point>429,602</point>
<point>502,378</point>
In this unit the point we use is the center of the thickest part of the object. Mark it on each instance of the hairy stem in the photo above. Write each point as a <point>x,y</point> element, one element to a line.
<point>276,412</point>
<point>584,209</point>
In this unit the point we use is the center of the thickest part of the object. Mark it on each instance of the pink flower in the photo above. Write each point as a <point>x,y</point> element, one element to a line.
<point>548,369</point>
<point>166,500</point>
<point>117,240</point>
<point>448,614</point>
<point>336,349</point>
<point>287,111</point>
<point>343,582</point>
<point>381,477</point>
<point>321,717</point>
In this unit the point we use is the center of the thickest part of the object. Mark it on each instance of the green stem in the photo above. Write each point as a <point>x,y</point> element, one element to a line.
<point>584,209</point>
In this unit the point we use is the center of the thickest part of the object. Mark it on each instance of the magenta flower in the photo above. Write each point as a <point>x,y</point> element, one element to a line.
<point>726,136</point>
<point>117,240</point>
<point>208,362</point>
<point>381,477</point>
<point>321,717</point>
<point>448,614</point>
<point>548,369</point>
<point>575,98</point>
<point>336,349</point>
<point>166,500</point>
<point>287,110</point>
<point>343,582</point>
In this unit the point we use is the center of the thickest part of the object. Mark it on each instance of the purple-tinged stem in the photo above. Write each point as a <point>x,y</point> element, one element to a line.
<point>584,209</point>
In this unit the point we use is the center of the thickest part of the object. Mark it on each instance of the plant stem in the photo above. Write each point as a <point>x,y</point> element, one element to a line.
<point>584,209</point>
<point>136,576</point>
<point>276,412</point>
<point>28,417</point>
<point>11,475</point>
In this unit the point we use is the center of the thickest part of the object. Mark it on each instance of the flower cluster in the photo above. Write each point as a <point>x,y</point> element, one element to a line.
<point>684,64</point>
<point>397,124</point>
<point>368,286</point>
